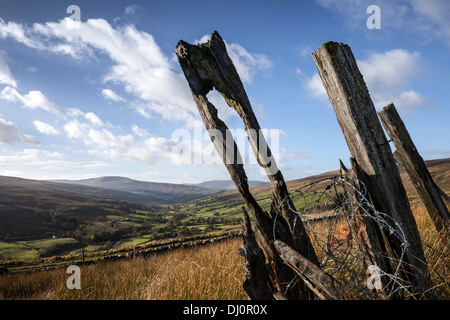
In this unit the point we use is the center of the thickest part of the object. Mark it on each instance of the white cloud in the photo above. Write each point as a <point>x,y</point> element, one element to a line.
<point>111,95</point>
<point>10,134</point>
<point>5,74</point>
<point>387,76</point>
<point>102,138</point>
<point>390,70</point>
<point>139,131</point>
<point>42,159</point>
<point>138,63</point>
<point>45,128</point>
<point>315,86</point>
<point>107,144</point>
<point>406,101</point>
<point>94,119</point>
<point>19,33</point>
<point>248,64</point>
<point>90,116</point>
<point>33,99</point>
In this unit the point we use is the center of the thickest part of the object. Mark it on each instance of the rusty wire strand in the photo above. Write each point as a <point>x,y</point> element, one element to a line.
<point>328,208</point>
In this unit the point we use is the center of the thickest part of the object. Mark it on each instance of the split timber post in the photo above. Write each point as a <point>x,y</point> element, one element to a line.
<point>207,66</point>
<point>409,158</point>
<point>365,228</point>
<point>369,147</point>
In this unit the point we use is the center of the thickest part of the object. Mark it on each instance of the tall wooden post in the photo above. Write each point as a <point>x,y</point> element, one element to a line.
<point>367,143</point>
<point>207,66</point>
<point>409,158</point>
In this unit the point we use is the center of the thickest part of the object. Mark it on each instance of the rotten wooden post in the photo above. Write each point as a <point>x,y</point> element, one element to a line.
<point>257,282</point>
<point>369,241</point>
<point>409,158</point>
<point>207,66</point>
<point>322,284</point>
<point>367,143</point>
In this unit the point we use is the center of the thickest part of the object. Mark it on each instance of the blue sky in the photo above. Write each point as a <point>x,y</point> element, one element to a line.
<point>106,96</point>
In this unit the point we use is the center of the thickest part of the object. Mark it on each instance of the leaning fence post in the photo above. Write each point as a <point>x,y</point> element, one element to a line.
<point>367,143</point>
<point>207,66</point>
<point>409,158</point>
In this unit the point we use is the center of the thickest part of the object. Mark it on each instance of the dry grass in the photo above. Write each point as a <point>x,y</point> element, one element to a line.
<point>437,251</point>
<point>211,272</point>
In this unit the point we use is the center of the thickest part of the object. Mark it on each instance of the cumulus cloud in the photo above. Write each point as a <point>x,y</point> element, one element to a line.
<point>34,99</point>
<point>90,116</point>
<point>85,128</point>
<point>137,62</point>
<point>390,70</point>
<point>111,95</point>
<point>45,128</point>
<point>19,33</point>
<point>248,64</point>
<point>10,134</point>
<point>387,76</point>
<point>151,80</point>
<point>315,87</point>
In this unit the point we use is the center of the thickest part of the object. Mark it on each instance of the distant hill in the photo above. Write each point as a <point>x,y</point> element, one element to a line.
<point>30,211</point>
<point>226,184</point>
<point>140,191</point>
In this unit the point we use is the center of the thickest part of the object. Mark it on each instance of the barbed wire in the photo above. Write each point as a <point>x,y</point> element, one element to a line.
<point>331,209</point>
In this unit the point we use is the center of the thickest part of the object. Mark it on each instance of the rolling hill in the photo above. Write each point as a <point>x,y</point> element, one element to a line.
<point>138,191</point>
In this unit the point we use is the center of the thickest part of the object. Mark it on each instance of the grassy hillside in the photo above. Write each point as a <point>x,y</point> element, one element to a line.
<point>208,272</point>
<point>439,169</point>
<point>30,218</point>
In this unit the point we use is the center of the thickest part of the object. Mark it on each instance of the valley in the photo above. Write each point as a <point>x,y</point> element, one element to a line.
<point>43,219</point>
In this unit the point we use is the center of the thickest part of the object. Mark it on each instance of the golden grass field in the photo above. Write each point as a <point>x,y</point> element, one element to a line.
<point>211,272</point>
<point>208,272</point>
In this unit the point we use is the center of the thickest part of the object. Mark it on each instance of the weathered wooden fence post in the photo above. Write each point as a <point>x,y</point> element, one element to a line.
<point>367,143</point>
<point>369,240</point>
<point>207,66</point>
<point>409,158</point>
